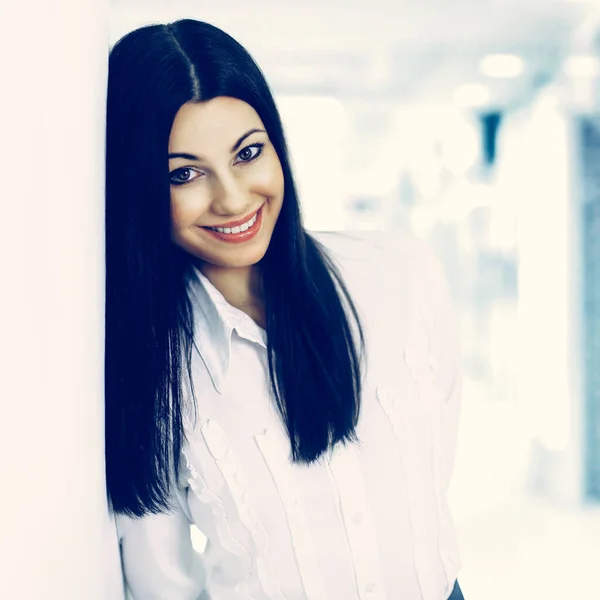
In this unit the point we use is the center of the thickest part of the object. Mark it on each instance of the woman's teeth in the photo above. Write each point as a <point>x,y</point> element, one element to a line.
<point>238,229</point>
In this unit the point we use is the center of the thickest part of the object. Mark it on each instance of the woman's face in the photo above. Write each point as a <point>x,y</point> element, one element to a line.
<point>224,173</point>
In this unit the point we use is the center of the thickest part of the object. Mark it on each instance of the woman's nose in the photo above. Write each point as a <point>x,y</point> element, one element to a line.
<point>230,196</point>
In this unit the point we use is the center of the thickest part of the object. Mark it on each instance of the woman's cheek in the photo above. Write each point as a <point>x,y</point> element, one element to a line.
<point>177,214</point>
<point>270,178</point>
<point>185,210</point>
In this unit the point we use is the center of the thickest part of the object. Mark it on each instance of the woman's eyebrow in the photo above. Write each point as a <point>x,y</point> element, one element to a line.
<point>247,134</point>
<point>233,149</point>
<point>184,155</point>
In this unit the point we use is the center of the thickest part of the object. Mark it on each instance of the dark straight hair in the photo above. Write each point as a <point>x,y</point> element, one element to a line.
<point>315,339</point>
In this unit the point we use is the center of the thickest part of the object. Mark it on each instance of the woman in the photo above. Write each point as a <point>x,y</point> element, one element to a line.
<point>239,397</point>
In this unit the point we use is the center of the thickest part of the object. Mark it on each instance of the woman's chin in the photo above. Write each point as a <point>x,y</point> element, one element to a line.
<point>245,259</point>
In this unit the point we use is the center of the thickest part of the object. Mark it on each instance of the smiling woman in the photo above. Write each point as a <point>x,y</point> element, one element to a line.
<point>238,397</point>
<point>221,195</point>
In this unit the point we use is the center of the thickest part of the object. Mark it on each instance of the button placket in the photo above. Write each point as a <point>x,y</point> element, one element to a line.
<point>345,472</point>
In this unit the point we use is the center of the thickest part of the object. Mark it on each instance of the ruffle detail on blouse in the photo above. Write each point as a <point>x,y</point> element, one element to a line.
<point>302,541</point>
<point>231,469</point>
<point>230,556</point>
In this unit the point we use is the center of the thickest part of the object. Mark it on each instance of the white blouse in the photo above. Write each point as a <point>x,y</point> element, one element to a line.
<point>368,522</point>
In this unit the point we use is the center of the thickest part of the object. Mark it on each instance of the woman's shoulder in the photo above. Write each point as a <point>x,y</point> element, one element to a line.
<point>390,275</point>
<point>384,253</point>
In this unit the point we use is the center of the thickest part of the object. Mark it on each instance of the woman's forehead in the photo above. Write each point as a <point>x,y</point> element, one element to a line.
<point>220,120</point>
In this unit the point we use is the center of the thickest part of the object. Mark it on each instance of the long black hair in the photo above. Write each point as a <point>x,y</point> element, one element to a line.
<point>315,339</point>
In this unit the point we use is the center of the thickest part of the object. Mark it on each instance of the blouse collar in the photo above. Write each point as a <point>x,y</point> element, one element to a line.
<point>214,322</point>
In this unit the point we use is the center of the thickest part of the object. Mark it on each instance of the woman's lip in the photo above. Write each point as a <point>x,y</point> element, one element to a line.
<point>237,223</point>
<point>241,236</point>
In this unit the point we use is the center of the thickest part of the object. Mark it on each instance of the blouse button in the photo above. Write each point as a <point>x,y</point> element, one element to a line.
<point>370,588</point>
<point>357,518</point>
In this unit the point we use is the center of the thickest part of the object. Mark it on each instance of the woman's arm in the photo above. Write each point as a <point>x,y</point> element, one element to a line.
<point>159,561</point>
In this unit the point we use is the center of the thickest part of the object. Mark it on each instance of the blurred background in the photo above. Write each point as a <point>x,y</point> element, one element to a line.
<point>474,124</point>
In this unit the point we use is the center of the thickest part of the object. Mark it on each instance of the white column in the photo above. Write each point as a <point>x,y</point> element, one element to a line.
<point>56,539</point>
<point>543,173</point>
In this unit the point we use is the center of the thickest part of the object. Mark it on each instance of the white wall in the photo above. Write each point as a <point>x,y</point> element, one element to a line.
<point>56,539</point>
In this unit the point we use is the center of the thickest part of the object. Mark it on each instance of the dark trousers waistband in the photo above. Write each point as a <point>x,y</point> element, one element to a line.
<point>456,593</point>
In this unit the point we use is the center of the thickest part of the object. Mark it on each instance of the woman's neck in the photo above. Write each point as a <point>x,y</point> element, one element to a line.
<point>241,287</point>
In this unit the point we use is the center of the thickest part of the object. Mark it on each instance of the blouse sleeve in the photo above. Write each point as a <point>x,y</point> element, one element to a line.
<point>159,561</point>
<point>446,348</point>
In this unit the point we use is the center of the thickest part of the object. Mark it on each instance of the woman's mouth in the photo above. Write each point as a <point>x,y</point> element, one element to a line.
<point>236,233</point>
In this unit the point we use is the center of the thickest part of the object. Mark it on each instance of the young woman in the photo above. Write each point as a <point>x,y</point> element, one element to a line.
<point>294,396</point>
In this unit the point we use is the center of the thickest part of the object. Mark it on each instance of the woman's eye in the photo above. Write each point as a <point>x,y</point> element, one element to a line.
<point>182,176</point>
<point>250,152</point>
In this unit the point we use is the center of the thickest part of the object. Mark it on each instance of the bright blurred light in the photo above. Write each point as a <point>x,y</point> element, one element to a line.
<point>541,173</point>
<point>462,199</point>
<point>472,95</point>
<point>502,65</point>
<point>461,143</point>
<point>315,128</point>
<point>581,67</point>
